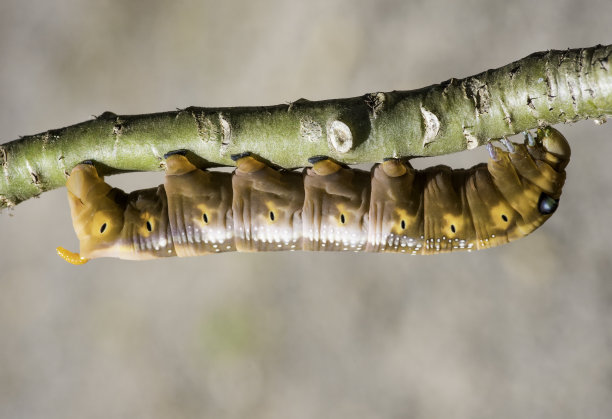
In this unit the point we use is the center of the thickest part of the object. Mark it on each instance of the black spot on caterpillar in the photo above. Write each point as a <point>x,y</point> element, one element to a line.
<point>393,208</point>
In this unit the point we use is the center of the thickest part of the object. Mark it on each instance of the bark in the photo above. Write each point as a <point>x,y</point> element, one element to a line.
<point>544,88</point>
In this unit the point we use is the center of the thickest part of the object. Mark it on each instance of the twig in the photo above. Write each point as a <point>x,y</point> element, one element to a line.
<point>542,89</point>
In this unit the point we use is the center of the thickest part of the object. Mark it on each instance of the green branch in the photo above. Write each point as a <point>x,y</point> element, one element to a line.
<point>542,89</point>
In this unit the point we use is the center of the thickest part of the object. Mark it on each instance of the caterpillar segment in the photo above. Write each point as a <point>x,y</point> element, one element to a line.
<point>200,208</point>
<point>327,207</point>
<point>267,206</point>
<point>335,208</point>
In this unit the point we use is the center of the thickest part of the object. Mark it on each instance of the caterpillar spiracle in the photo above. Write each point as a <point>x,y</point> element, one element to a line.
<point>392,208</point>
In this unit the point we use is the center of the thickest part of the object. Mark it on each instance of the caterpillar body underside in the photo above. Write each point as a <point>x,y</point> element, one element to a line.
<point>392,208</point>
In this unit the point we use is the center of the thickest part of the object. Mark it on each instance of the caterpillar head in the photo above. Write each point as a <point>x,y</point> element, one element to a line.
<point>530,178</point>
<point>97,211</point>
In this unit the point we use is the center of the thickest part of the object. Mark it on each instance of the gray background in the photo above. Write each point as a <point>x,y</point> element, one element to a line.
<point>524,330</point>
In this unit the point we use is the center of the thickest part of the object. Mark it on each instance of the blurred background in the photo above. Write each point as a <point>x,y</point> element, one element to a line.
<point>524,330</point>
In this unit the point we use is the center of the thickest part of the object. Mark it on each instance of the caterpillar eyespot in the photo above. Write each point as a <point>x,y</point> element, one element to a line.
<point>327,207</point>
<point>547,204</point>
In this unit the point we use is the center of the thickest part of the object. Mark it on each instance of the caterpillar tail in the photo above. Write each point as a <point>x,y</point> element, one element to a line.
<point>71,257</point>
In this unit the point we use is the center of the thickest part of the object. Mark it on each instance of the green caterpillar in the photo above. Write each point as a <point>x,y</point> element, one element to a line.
<point>393,208</point>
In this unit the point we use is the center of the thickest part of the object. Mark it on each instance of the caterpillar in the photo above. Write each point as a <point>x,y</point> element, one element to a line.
<point>327,207</point>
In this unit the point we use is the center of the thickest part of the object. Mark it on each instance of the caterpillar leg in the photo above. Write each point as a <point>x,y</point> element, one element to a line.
<point>247,163</point>
<point>394,167</point>
<point>536,171</point>
<point>323,166</point>
<point>508,144</point>
<point>529,140</point>
<point>177,164</point>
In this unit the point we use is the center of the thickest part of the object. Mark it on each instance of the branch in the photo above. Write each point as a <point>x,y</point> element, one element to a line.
<point>544,88</point>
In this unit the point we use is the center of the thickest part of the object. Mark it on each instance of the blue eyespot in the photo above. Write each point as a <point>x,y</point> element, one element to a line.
<point>547,204</point>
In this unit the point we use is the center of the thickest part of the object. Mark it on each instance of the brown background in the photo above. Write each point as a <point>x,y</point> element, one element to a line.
<point>524,330</point>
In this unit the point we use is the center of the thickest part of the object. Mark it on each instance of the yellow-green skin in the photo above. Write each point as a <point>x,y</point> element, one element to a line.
<point>327,207</point>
